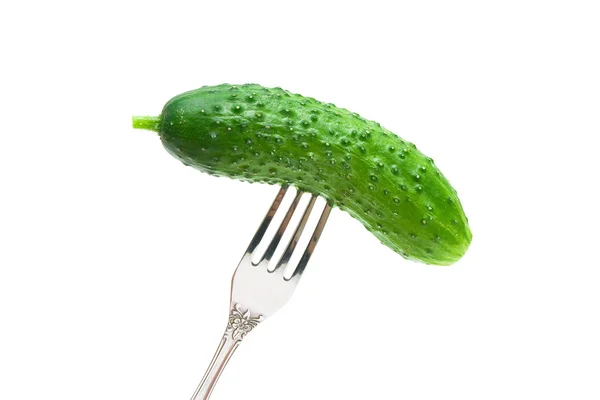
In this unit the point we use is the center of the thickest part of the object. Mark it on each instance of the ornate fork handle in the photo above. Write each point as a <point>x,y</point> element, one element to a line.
<point>239,325</point>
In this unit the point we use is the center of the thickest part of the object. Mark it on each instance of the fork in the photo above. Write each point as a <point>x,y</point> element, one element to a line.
<point>257,292</point>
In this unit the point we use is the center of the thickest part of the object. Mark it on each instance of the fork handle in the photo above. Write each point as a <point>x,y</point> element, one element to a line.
<point>239,325</point>
<point>226,348</point>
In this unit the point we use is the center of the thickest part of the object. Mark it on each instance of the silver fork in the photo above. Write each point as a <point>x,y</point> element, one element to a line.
<point>256,292</point>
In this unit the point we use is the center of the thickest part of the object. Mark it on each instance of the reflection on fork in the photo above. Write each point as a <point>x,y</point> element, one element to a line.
<point>258,292</point>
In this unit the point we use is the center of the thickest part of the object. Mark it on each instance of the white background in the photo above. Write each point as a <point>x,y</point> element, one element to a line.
<point>115,259</point>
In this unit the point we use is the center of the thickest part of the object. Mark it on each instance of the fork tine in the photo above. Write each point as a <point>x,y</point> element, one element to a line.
<point>287,254</point>
<point>311,244</point>
<point>282,227</point>
<point>258,236</point>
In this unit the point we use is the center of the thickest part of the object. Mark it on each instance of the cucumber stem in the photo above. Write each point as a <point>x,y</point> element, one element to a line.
<point>149,123</point>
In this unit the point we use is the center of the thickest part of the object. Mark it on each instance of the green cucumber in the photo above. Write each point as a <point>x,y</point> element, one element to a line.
<point>260,134</point>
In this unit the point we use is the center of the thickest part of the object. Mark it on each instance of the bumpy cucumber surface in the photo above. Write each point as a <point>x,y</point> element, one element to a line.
<point>260,134</point>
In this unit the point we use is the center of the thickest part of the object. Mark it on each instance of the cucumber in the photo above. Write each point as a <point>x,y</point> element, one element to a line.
<point>258,134</point>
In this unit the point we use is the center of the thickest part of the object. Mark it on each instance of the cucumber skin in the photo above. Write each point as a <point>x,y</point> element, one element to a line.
<point>259,134</point>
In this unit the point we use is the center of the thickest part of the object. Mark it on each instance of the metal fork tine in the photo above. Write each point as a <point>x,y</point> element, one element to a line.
<point>280,231</point>
<point>312,243</point>
<point>258,236</point>
<point>287,254</point>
